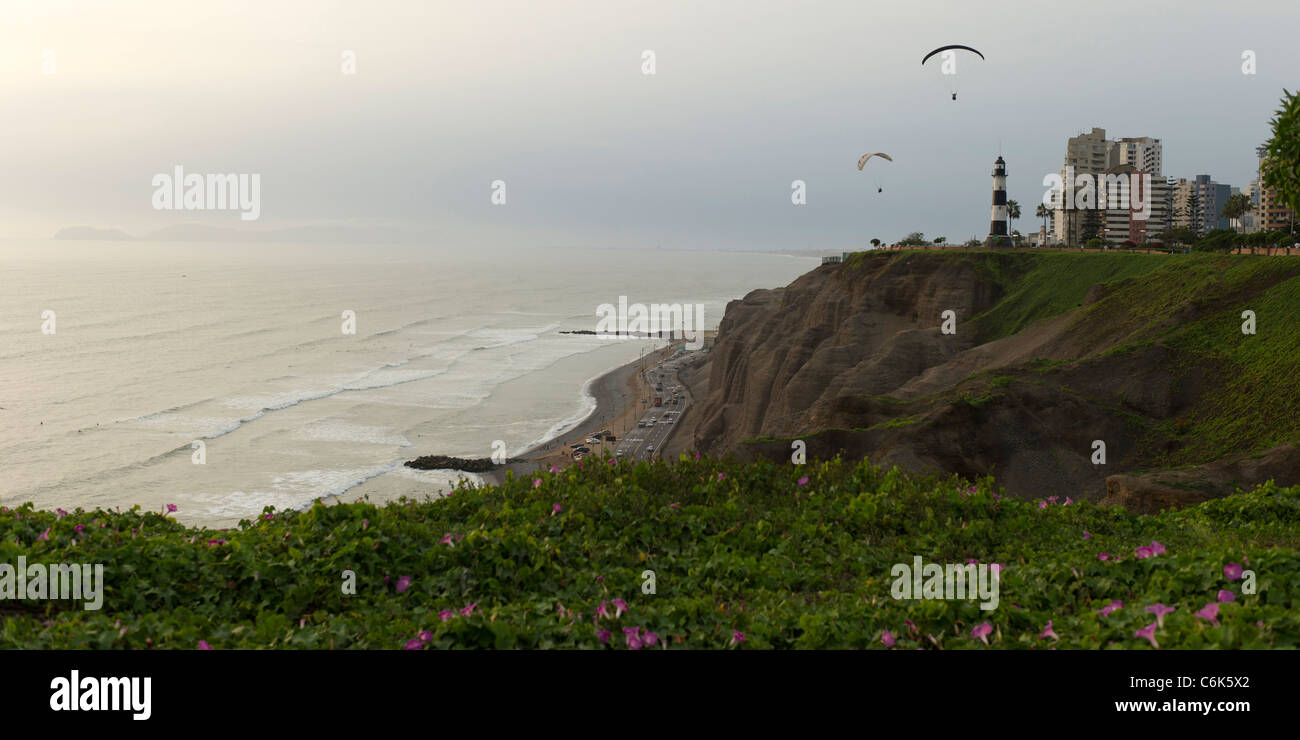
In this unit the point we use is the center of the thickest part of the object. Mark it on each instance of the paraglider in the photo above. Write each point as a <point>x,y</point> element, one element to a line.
<point>863,163</point>
<point>949,67</point>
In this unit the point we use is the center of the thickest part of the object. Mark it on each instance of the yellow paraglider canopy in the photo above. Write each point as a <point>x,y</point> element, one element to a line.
<point>863,162</point>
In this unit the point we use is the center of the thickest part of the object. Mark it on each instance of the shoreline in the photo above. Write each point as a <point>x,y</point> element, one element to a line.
<point>615,392</point>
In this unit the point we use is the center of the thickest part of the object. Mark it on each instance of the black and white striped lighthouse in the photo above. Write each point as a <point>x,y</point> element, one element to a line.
<point>998,236</point>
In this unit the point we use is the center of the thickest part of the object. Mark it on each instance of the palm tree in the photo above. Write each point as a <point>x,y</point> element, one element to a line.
<point>1013,210</point>
<point>1043,213</point>
<point>1236,206</point>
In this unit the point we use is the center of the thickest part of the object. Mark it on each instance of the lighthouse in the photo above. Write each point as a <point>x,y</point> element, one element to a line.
<point>998,221</point>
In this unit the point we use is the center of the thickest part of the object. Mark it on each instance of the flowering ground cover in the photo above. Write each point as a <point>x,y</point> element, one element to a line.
<point>741,556</point>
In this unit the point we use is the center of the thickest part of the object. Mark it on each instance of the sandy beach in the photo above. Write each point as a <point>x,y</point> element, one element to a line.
<point>617,394</point>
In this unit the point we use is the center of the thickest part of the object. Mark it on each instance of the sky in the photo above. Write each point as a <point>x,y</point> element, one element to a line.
<point>551,98</point>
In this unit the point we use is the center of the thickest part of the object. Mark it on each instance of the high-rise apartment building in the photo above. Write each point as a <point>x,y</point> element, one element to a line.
<point>1092,154</point>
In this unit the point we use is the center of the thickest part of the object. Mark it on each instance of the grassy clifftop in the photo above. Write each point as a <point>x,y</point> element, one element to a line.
<point>1146,352</point>
<point>743,555</point>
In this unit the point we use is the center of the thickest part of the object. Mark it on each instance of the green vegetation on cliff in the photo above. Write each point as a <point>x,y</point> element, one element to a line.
<point>1238,389</point>
<point>743,555</point>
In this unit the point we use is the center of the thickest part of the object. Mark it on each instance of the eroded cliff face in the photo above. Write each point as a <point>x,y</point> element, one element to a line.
<point>784,357</point>
<point>851,359</point>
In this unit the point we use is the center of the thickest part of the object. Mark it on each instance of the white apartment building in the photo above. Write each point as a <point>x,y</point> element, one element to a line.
<point>1143,152</point>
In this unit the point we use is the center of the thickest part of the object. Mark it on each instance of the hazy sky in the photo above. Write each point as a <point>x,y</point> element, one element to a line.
<point>549,96</point>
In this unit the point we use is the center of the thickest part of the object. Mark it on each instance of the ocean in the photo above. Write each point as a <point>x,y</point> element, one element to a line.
<point>154,347</point>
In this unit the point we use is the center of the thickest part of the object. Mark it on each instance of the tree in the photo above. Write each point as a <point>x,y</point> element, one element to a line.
<point>1281,168</point>
<point>1013,210</point>
<point>1178,235</point>
<point>875,242</point>
<point>1094,243</point>
<point>1042,212</point>
<point>913,239</point>
<point>1236,207</point>
<point>1093,225</point>
<point>941,240</point>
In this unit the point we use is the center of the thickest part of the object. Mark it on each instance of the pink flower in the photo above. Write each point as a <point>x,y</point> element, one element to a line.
<point>602,635</point>
<point>649,639</point>
<point>1143,552</point>
<point>1052,498</point>
<point>737,637</point>
<point>633,641</point>
<point>403,583</point>
<point>1068,501</point>
<point>674,505</point>
<point>414,644</point>
<point>60,512</point>
<point>446,540</point>
<point>1086,536</point>
<point>203,645</point>
<point>721,476</point>
<point>537,482</point>
<point>911,627</point>
<point>1157,548</point>
<point>982,632</point>
<point>171,508</point>
<point>425,636</point>
<point>602,611</point>
<point>620,606</point>
<point>1048,632</point>
<point>1210,612</point>
<point>1103,556</point>
<point>216,543</point>
<point>556,509</point>
<point>1232,571</point>
<point>887,639</point>
<point>1160,610</point>
<point>972,561</point>
<point>803,481</point>
<point>468,610</point>
<point>1042,504</point>
<point>1148,632</point>
<point>79,527</point>
<point>446,614</point>
<point>600,579</point>
<point>554,469</point>
<point>999,568</point>
<point>44,535</point>
<point>1225,596</point>
<point>1113,606</point>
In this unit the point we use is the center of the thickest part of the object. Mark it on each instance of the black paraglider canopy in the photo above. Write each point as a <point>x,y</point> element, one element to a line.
<point>951,46</point>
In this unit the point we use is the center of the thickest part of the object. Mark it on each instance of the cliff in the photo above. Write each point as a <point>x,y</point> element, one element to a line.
<point>1052,352</point>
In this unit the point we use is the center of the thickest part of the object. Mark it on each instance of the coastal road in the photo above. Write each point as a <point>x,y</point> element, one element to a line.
<point>656,423</point>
